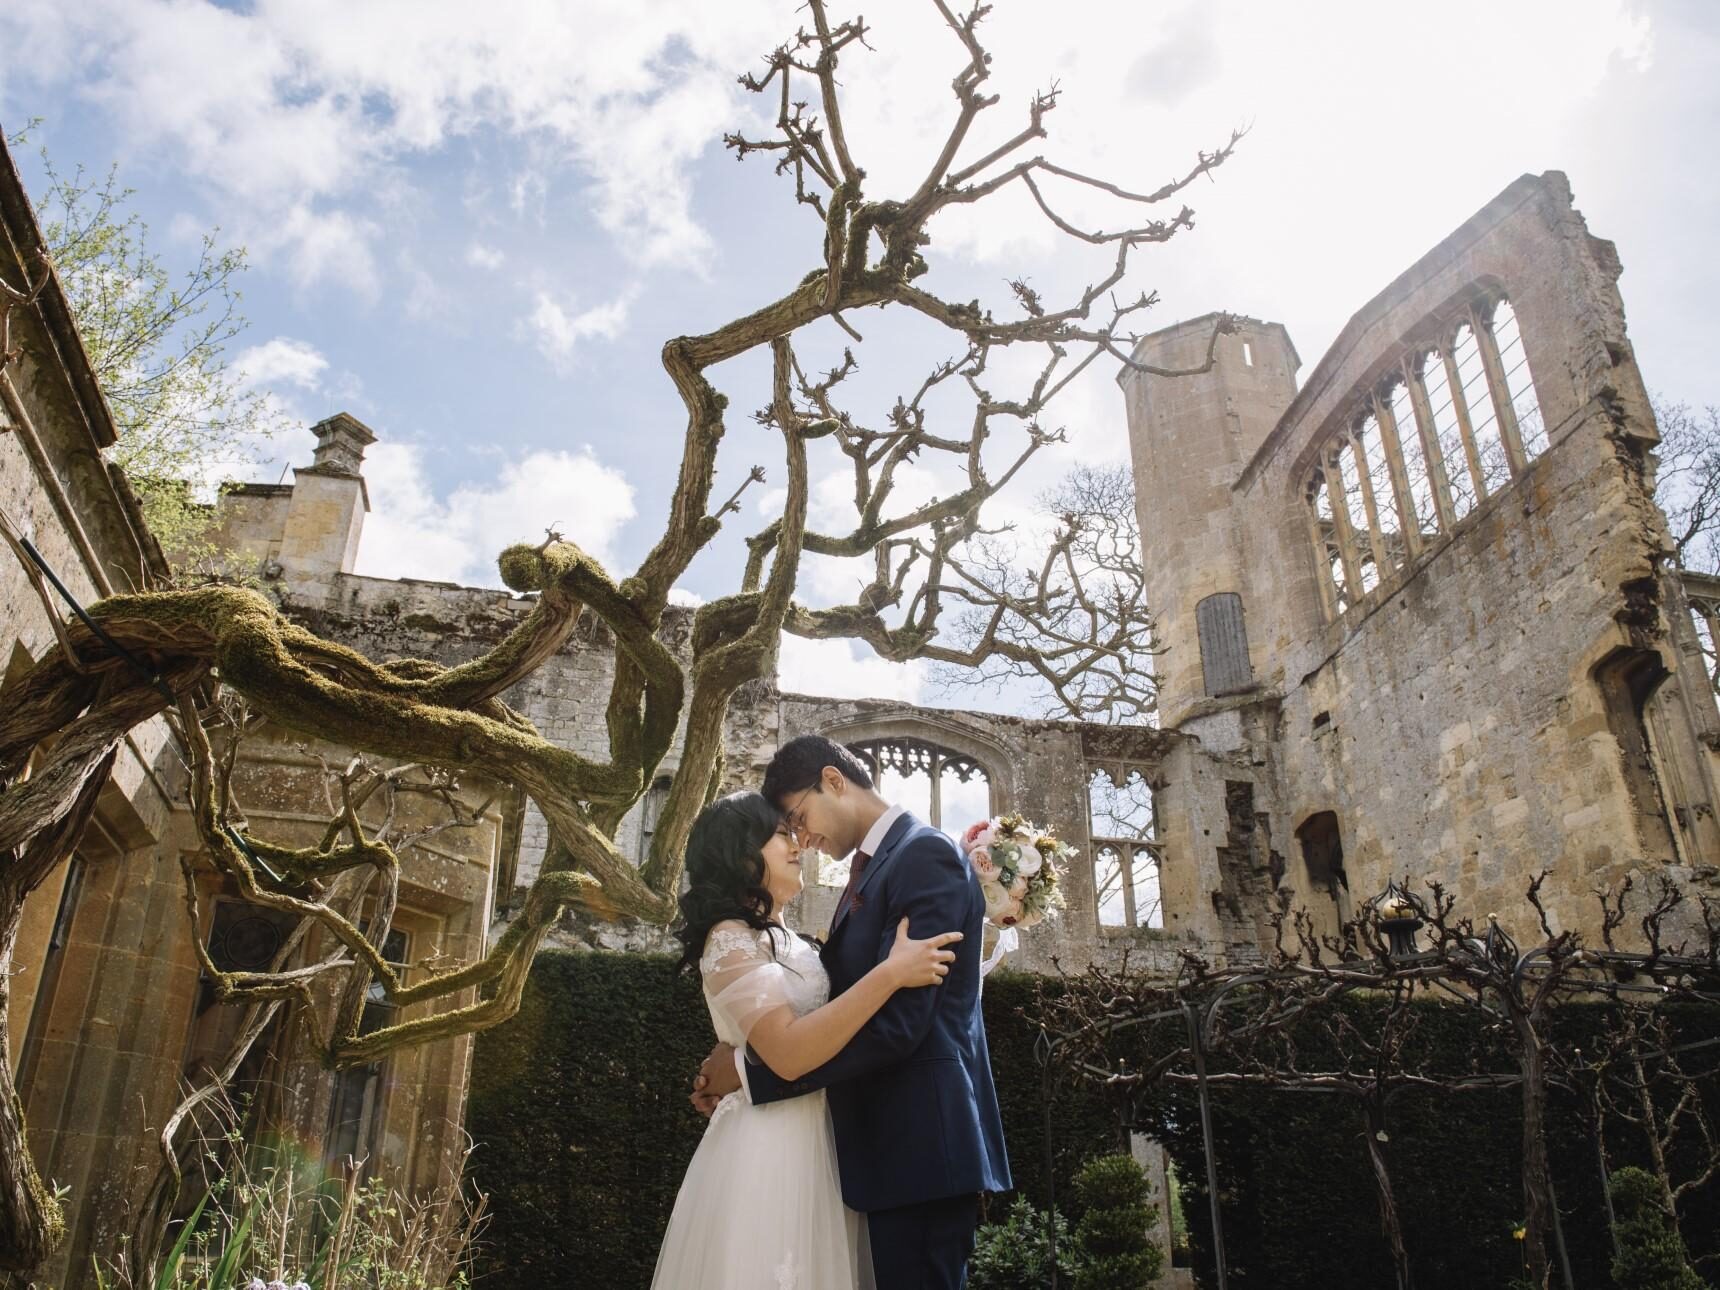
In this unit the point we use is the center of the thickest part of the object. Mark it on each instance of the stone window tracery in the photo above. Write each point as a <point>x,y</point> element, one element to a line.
<point>1126,850</point>
<point>947,788</point>
<point>1451,425</point>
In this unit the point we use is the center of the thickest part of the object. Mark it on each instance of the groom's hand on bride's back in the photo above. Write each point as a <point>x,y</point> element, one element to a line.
<point>717,1078</point>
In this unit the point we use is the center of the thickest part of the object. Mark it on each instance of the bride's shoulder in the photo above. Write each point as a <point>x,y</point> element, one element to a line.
<point>729,936</point>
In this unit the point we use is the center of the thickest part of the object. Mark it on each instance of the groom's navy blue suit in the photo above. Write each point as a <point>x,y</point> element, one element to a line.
<point>918,1135</point>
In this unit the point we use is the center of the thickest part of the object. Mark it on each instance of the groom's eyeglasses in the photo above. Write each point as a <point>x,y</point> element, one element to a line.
<point>792,817</point>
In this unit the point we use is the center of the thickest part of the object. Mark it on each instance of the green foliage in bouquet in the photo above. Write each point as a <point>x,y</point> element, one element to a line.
<point>1651,1253</point>
<point>1114,1250</point>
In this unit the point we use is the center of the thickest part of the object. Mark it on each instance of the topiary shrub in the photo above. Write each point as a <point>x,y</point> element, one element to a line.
<point>1016,1253</point>
<point>1651,1253</point>
<point>1114,1251</point>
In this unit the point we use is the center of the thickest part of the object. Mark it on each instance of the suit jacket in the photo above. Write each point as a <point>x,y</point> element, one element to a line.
<point>911,1096</point>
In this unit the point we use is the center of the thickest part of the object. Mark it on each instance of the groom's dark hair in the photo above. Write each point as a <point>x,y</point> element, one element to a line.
<point>800,763</point>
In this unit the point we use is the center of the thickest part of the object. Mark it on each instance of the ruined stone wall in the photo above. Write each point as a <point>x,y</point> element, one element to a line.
<point>1039,768</point>
<point>249,523</point>
<point>444,909</point>
<point>1459,717</point>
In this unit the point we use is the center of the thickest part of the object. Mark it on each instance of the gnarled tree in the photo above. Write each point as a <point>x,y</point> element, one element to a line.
<point>177,649</point>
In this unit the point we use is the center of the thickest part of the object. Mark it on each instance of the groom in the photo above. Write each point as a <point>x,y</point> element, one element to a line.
<point>917,1130</point>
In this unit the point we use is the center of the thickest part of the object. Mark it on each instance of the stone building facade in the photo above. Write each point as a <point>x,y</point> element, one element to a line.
<point>1425,593</point>
<point>1418,623</point>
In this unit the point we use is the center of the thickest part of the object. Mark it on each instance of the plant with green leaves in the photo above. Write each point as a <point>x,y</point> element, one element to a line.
<point>159,341</point>
<point>1114,1250</point>
<point>272,1221</point>
<point>1651,1254</point>
<point>1017,1254</point>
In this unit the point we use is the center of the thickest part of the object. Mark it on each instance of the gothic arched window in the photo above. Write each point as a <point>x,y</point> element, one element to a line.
<point>1124,826</point>
<point>948,789</point>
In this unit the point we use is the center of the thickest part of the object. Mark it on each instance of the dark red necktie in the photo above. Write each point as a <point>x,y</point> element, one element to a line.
<point>855,869</point>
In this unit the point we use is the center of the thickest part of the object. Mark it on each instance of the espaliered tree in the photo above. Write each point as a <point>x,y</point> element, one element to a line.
<point>1133,1030</point>
<point>176,653</point>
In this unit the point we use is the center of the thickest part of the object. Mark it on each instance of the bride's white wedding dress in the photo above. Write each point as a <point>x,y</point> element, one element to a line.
<point>761,1205</point>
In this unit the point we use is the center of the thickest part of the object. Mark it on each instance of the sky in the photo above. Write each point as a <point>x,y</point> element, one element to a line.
<point>475,233</point>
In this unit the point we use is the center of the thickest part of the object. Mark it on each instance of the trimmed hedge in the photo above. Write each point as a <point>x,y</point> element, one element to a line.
<point>579,1109</point>
<point>578,1106</point>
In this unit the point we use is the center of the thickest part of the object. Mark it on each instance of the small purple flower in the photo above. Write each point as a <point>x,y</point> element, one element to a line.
<point>277,1285</point>
<point>256,1283</point>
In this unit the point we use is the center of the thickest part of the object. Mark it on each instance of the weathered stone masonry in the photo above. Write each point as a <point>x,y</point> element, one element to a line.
<point>1501,683</point>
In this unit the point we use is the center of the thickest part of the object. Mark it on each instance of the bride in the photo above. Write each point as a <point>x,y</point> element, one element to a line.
<point>761,1207</point>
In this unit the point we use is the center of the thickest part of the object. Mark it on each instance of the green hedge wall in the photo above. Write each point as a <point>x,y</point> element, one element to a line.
<point>579,1110</point>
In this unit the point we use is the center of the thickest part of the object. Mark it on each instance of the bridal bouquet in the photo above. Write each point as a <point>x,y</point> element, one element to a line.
<point>1019,867</point>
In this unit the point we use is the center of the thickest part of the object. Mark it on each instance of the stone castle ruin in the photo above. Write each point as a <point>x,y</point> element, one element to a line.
<point>1417,617</point>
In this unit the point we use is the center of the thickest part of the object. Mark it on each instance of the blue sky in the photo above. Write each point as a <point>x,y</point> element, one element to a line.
<point>475,234</point>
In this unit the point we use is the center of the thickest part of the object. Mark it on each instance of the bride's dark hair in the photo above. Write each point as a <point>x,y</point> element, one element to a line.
<point>725,872</point>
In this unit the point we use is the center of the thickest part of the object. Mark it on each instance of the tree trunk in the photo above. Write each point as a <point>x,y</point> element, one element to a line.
<point>1540,1208</point>
<point>1650,1121</point>
<point>1377,1138</point>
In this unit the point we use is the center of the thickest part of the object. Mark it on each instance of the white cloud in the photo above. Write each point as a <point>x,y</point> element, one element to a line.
<point>291,112</point>
<point>322,246</point>
<point>480,256</point>
<point>559,333</point>
<point>426,299</point>
<point>685,598</point>
<point>413,533</point>
<point>842,669</point>
<point>283,371</point>
<point>281,361</point>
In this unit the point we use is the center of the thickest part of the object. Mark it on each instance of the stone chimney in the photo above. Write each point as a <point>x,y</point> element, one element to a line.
<point>326,514</point>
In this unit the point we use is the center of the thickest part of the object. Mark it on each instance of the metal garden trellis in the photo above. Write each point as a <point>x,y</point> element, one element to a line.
<point>1377,953</point>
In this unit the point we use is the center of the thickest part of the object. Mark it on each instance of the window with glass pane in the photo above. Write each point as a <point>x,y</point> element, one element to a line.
<point>357,1107</point>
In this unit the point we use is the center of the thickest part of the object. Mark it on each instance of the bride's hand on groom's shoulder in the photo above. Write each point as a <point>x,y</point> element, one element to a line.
<point>716,1079</point>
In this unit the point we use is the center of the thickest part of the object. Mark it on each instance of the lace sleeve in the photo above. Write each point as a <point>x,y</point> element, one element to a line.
<point>742,979</point>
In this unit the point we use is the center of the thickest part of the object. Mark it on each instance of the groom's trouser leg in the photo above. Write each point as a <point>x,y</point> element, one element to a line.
<point>923,1247</point>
